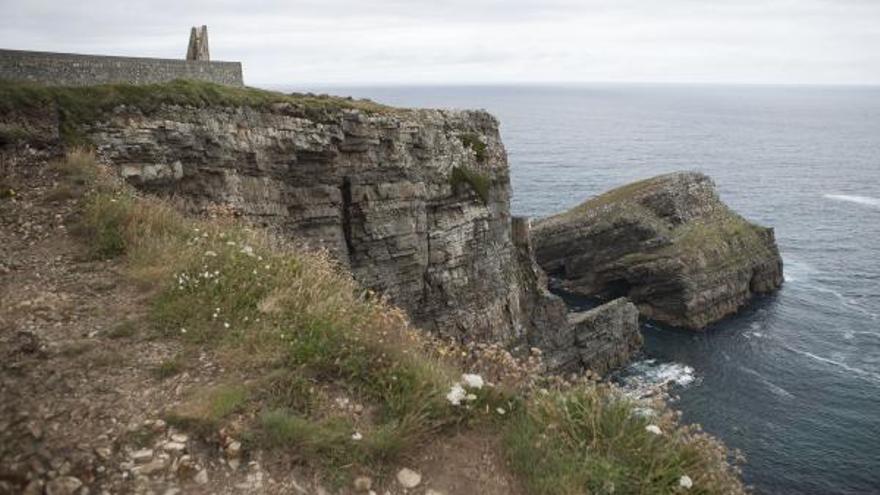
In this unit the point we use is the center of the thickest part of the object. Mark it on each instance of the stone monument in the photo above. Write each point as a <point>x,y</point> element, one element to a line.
<point>198,44</point>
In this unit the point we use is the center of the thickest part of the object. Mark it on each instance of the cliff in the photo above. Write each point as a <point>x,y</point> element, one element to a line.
<point>414,203</point>
<point>667,243</point>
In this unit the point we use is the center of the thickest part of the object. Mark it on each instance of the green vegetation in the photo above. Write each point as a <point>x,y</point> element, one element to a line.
<point>123,329</point>
<point>589,440</point>
<point>473,141</point>
<point>81,105</point>
<point>169,367</point>
<point>305,334</point>
<point>10,134</point>
<point>478,182</point>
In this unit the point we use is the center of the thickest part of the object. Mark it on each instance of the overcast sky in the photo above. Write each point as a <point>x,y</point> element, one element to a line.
<point>477,41</point>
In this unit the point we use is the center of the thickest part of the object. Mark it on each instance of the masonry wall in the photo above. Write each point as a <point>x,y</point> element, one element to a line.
<point>70,69</point>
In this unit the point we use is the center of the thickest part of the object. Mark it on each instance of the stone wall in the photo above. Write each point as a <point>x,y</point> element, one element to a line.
<point>82,70</point>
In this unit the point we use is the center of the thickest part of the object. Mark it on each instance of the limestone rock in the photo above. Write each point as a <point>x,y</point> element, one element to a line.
<point>607,336</point>
<point>408,478</point>
<point>376,189</point>
<point>668,244</point>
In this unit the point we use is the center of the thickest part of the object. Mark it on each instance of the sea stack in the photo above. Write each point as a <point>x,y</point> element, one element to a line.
<point>668,244</point>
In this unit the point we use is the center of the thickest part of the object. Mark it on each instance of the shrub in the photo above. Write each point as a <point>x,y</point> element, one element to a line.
<point>474,142</point>
<point>590,439</point>
<point>478,182</point>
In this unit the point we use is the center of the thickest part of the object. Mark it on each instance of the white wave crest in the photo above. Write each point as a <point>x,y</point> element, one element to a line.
<point>862,200</point>
<point>774,388</point>
<point>865,374</point>
<point>648,377</point>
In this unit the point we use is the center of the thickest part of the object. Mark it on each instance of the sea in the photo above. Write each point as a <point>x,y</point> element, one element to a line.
<point>793,380</point>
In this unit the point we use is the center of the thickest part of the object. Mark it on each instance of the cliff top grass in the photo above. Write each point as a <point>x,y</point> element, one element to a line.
<point>297,332</point>
<point>83,104</point>
<point>623,197</point>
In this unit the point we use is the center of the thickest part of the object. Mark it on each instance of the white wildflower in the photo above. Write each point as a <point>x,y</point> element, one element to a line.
<point>182,330</point>
<point>356,436</point>
<point>501,411</point>
<point>654,429</point>
<point>686,482</point>
<point>472,381</point>
<point>225,324</point>
<point>456,395</point>
<point>210,253</point>
<point>471,397</point>
<point>247,250</point>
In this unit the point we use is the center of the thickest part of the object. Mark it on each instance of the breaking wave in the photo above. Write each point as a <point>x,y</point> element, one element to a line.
<point>647,377</point>
<point>862,200</point>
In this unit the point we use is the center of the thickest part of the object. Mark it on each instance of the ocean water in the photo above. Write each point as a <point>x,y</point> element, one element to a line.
<point>793,381</point>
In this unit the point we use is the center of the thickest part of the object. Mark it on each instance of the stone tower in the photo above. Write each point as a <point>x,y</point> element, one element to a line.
<point>198,44</point>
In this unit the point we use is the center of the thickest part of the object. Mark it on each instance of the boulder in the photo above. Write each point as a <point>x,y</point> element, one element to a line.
<point>607,336</point>
<point>668,244</point>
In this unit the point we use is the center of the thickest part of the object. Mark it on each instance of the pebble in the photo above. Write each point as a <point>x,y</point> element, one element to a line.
<point>141,456</point>
<point>65,485</point>
<point>408,478</point>
<point>202,477</point>
<point>233,450</point>
<point>180,437</point>
<point>174,447</point>
<point>363,484</point>
<point>104,452</point>
<point>150,468</point>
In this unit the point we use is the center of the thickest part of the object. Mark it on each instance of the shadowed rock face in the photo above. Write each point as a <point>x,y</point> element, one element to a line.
<point>667,243</point>
<point>607,336</point>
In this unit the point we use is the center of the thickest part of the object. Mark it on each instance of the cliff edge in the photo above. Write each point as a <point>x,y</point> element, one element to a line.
<point>667,243</point>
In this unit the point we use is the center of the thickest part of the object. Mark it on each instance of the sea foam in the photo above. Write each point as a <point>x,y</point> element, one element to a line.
<point>862,200</point>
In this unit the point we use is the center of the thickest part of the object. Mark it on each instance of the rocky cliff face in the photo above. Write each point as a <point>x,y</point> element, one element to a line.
<point>668,243</point>
<point>414,202</point>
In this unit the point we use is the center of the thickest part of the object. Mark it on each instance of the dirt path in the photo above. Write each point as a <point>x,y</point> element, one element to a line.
<point>81,387</point>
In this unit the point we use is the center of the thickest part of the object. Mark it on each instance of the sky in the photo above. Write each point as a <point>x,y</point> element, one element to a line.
<point>349,42</point>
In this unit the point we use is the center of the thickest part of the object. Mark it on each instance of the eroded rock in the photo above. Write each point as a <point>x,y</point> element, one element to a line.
<point>607,336</point>
<point>668,244</point>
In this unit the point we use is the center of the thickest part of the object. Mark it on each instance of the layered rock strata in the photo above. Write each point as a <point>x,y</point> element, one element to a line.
<point>668,244</point>
<point>607,336</point>
<point>415,203</point>
<point>600,339</point>
<point>374,188</point>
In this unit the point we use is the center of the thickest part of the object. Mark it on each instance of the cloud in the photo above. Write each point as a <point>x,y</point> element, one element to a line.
<point>465,41</point>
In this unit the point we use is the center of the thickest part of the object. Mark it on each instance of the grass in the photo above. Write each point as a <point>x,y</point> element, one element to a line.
<point>11,134</point>
<point>78,106</point>
<point>590,440</point>
<point>477,181</point>
<point>169,367</point>
<point>476,144</point>
<point>123,329</point>
<point>301,329</point>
